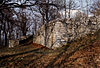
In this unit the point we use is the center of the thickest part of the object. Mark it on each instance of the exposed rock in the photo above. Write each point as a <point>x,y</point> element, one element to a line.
<point>22,41</point>
<point>13,43</point>
<point>62,31</point>
<point>23,37</point>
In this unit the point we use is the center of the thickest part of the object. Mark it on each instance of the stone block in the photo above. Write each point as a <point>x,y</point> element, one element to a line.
<point>13,43</point>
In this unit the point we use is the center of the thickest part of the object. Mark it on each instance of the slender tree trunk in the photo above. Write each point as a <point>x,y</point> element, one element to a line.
<point>0,34</point>
<point>45,37</point>
<point>1,26</point>
<point>69,13</point>
<point>5,34</point>
<point>47,20</point>
<point>24,28</point>
<point>65,8</point>
<point>87,10</point>
<point>35,27</point>
<point>24,33</point>
<point>6,40</point>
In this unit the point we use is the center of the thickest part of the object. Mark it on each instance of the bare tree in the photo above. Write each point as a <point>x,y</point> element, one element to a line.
<point>48,12</point>
<point>6,24</point>
<point>20,20</point>
<point>87,8</point>
<point>95,8</point>
<point>71,4</point>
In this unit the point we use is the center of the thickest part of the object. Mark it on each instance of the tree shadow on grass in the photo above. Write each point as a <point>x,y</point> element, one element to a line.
<point>7,56</point>
<point>51,64</point>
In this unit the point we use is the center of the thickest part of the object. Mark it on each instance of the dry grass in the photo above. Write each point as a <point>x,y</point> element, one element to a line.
<point>82,53</point>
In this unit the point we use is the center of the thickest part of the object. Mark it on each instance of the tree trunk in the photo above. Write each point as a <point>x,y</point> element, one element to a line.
<point>65,8</point>
<point>47,20</point>
<point>69,12</point>
<point>6,40</point>
<point>87,10</point>
<point>0,35</point>
<point>5,34</point>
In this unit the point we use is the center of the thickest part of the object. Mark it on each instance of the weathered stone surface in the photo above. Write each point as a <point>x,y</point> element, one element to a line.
<point>62,31</point>
<point>23,40</point>
<point>13,43</point>
<point>23,37</point>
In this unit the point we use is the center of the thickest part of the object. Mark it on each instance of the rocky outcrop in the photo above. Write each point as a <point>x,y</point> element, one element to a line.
<point>62,31</point>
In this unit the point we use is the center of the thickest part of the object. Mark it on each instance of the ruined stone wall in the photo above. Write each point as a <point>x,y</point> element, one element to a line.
<point>62,31</point>
<point>13,43</point>
<point>55,31</point>
<point>22,41</point>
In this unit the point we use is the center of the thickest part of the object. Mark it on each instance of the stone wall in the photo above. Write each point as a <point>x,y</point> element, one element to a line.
<point>62,31</point>
<point>22,41</point>
<point>13,43</point>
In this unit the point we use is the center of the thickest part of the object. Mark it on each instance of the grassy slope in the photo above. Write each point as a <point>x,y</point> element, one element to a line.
<point>82,53</point>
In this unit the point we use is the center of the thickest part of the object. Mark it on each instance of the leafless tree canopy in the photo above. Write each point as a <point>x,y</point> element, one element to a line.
<point>19,18</point>
<point>22,17</point>
<point>95,8</point>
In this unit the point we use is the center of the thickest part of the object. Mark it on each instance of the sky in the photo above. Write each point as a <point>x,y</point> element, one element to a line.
<point>82,4</point>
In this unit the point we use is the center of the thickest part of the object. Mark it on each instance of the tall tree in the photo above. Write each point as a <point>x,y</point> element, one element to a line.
<point>87,8</point>
<point>6,16</point>
<point>47,13</point>
<point>71,4</point>
<point>95,8</point>
<point>20,19</point>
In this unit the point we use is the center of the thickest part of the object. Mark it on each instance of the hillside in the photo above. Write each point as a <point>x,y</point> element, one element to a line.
<point>81,53</point>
